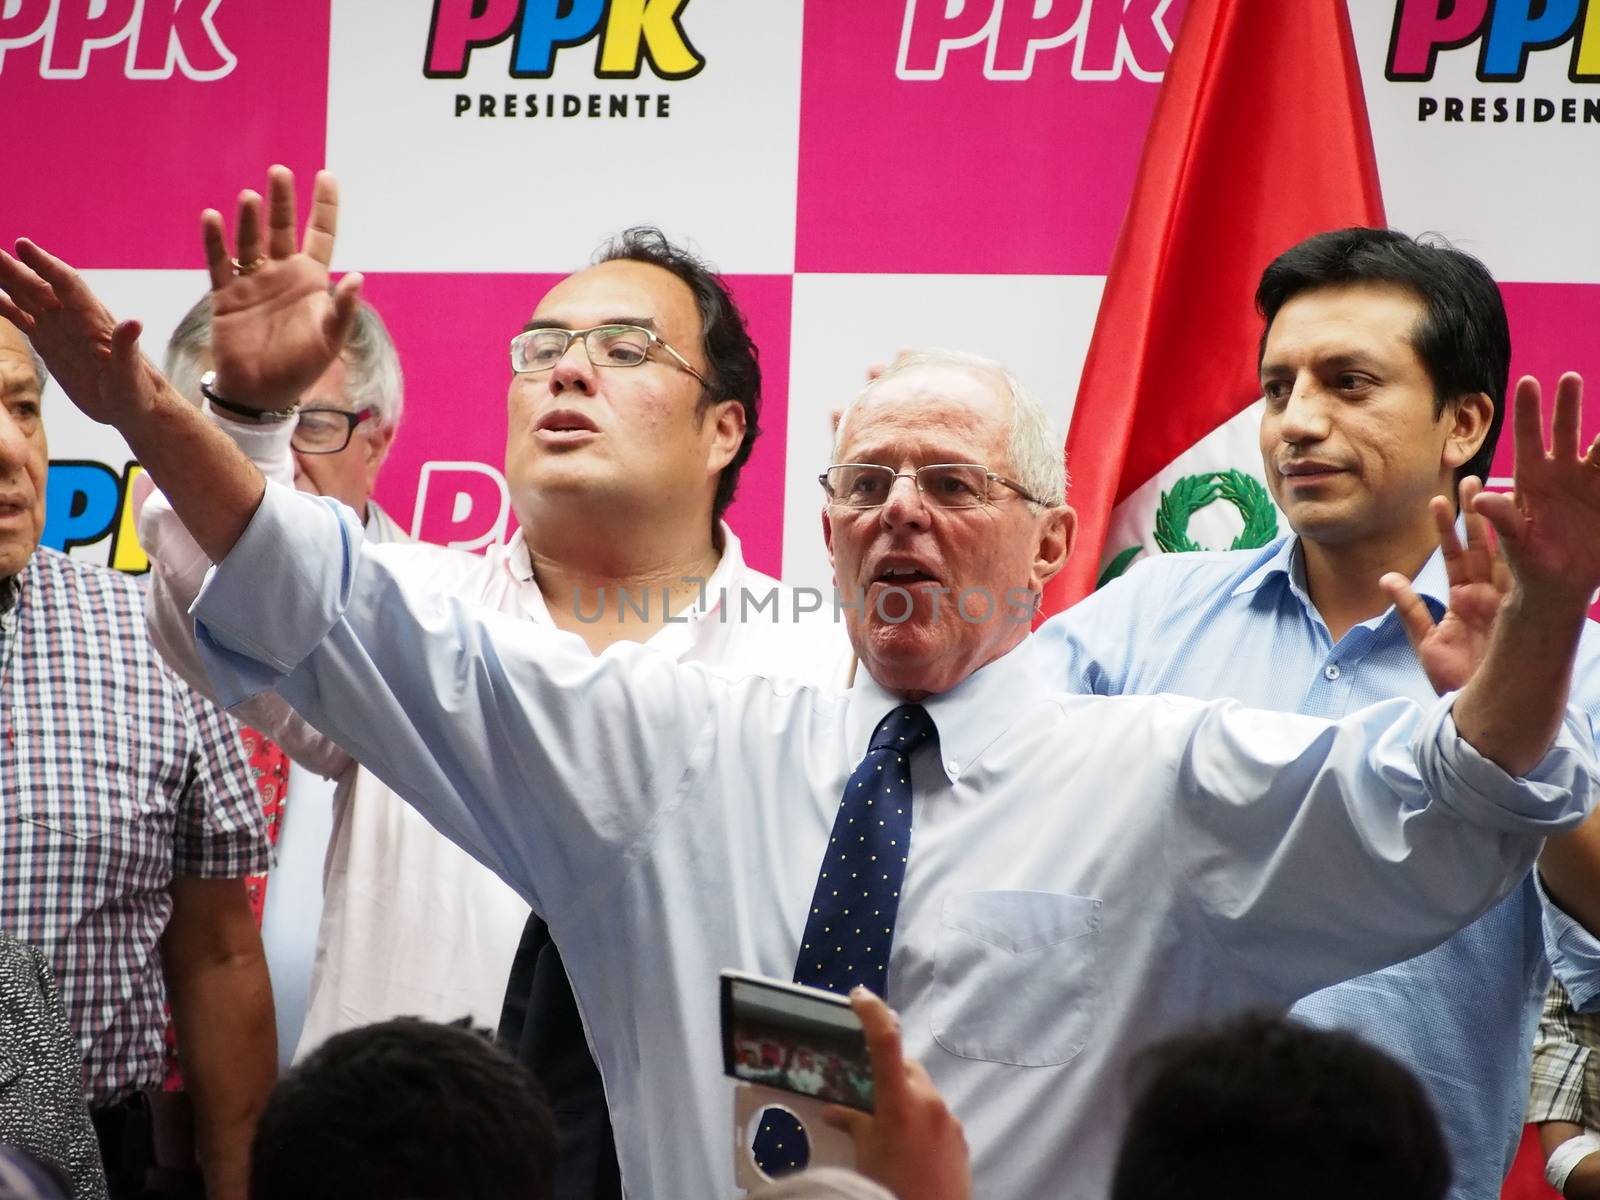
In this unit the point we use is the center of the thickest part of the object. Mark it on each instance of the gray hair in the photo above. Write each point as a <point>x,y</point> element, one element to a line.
<point>822,1183</point>
<point>40,374</point>
<point>374,379</point>
<point>1037,460</point>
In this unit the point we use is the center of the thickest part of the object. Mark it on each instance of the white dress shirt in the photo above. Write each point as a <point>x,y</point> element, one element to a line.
<point>1086,874</point>
<point>410,924</point>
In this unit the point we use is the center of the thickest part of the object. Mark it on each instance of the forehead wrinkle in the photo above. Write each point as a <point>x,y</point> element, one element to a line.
<point>924,453</point>
<point>925,426</point>
<point>17,377</point>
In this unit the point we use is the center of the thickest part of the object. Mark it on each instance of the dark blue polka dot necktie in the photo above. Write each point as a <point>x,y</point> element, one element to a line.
<point>850,926</point>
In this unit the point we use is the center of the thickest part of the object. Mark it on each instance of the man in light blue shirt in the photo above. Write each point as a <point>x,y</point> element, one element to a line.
<point>1082,877</point>
<point>1384,369</point>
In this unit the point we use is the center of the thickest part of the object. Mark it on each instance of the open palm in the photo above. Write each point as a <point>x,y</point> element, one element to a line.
<point>1548,525</point>
<point>276,325</point>
<point>92,356</point>
<point>1451,649</point>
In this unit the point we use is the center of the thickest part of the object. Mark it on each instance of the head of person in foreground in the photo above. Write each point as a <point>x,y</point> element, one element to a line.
<point>1265,1106</point>
<point>405,1110</point>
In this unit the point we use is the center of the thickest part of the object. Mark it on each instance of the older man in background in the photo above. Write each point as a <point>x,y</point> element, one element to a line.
<point>128,821</point>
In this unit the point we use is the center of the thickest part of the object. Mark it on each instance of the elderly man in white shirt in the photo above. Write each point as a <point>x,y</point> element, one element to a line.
<point>672,821</point>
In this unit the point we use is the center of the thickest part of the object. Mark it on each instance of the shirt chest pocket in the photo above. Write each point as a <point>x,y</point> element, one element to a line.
<point>86,786</point>
<point>1016,976</point>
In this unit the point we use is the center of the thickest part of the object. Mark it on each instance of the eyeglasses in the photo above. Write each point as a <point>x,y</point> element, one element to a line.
<point>326,430</point>
<point>535,350</point>
<point>943,485</point>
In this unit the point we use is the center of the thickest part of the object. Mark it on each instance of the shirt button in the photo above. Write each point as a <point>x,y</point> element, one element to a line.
<point>952,766</point>
<point>1331,671</point>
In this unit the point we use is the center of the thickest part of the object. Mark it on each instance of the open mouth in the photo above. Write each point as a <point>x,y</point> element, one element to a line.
<point>565,422</point>
<point>904,575</point>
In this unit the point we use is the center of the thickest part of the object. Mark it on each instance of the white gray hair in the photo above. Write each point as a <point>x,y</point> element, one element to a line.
<point>373,379</point>
<point>1038,463</point>
<point>40,374</point>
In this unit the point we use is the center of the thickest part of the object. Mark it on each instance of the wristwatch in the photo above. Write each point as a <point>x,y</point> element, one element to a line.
<point>258,416</point>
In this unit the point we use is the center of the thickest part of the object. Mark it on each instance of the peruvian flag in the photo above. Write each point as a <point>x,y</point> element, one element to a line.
<point>1259,139</point>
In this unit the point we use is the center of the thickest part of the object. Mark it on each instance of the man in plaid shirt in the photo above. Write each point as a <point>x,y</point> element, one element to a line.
<point>128,821</point>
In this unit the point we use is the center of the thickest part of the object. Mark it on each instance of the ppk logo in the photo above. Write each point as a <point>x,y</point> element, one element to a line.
<point>147,39</point>
<point>1507,32</point>
<point>1109,37</point>
<point>627,33</point>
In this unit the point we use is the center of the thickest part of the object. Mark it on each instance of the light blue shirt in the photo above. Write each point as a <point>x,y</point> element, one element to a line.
<point>1084,875</point>
<point>1241,625</point>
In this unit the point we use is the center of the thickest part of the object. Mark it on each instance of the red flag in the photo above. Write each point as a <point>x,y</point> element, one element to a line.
<point>1259,139</point>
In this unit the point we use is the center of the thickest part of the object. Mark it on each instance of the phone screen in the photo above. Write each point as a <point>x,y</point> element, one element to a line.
<point>794,1038</point>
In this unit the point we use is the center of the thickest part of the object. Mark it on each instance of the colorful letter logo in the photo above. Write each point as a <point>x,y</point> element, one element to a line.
<point>1509,30</point>
<point>162,36</point>
<point>85,502</point>
<point>629,32</point>
<point>1108,36</point>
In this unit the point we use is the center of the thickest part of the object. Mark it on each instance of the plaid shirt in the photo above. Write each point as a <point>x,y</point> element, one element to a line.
<point>1566,1074</point>
<point>114,778</point>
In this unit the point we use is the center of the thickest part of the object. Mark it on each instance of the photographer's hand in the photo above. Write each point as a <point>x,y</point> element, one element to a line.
<point>913,1145</point>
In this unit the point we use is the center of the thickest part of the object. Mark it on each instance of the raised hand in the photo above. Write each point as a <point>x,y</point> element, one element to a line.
<point>91,355</point>
<point>911,1144</point>
<point>276,326</point>
<point>1451,650</point>
<point>1550,525</point>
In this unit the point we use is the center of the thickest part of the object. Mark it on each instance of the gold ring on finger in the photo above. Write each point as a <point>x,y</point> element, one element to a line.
<point>249,268</point>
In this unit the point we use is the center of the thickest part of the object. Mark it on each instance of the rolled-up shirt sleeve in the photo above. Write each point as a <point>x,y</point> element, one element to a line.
<point>546,763</point>
<point>1319,851</point>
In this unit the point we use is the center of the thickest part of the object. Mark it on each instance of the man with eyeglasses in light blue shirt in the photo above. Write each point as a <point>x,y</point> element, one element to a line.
<point>1082,878</point>
<point>1384,365</point>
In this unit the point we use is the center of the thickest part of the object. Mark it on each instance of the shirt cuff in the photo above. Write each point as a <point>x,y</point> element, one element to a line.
<point>1552,798</point>
<point>1573,951</point>
<point>265,444</point>
<point>276,595</point>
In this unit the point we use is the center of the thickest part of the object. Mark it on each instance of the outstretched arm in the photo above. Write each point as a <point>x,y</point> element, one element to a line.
<point>276,328</point>
<point>1452,649</point>
<point>1514,704</point>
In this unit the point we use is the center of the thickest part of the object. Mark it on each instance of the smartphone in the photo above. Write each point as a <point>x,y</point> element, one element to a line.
<point>794,1038</point>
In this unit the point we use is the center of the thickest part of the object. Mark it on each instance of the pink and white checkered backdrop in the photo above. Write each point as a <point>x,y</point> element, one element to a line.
<point>871,174</point>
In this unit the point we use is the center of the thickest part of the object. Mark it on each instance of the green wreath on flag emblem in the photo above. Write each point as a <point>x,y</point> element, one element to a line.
<point>1188,496</point>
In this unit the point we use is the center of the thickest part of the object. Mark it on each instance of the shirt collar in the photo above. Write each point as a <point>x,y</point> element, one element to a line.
<point>1283,560</point>
<point>676,638</point>
<point>380,526</point>
<point>1278,561</point>
<point>969,717</point>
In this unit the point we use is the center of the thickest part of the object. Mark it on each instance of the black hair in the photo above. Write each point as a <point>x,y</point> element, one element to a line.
<point>405,1110</point>
<point>1266,1107</point>
<point>733,369</point>
<point>1463,338</point>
